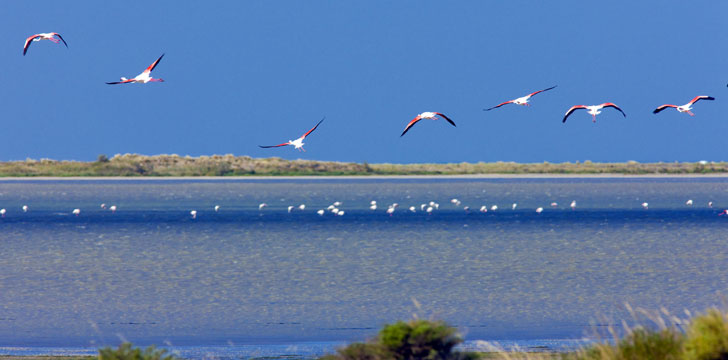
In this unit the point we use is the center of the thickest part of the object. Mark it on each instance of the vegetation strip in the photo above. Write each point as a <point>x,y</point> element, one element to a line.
<point>229,165</point>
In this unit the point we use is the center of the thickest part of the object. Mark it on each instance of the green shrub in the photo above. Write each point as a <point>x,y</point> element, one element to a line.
<point>416,339</point>
<point>127,352</point>
<point>707,337</point>
<point>419,339</point>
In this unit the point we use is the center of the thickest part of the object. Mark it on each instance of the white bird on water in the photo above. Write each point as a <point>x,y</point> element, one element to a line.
<point>645,205</point>
<point>710,204</point>
<point>340,213</point>
<point>337,203</point>
<point>320,212</point>
<point>513,207</point>
<point>261,206</point>
<point>539,210</point>
<point>390,210</point>
<point>25,208</point>
<point>76,212</point>
<point>2,212</point>
<point>302,207</point>
<point>112,208</point>
<point>103,205</point>
<point>412,209</point>
<point>429,210</point>
<point>494,208</point>
<point>290,208</point>
<point>554,204</point>
<point>193,213</point>
<point>217,208</point>
<point>573,204</point>
<point>689,202</point>
<point>484,209</point>
<point>373,207</point>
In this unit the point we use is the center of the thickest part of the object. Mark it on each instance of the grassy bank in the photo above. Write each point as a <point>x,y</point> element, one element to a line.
<point>229,165</point>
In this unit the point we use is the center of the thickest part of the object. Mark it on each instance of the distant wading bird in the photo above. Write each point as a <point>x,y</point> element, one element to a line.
<point>143,78</point>
<point>43,36</point>
<point>520,101</point>
<point>298,143</point>
<point>684,108</point>
<point>594,110</point>
<point>426,115</point>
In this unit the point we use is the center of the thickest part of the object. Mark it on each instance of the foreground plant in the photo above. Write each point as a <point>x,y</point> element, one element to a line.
<point>415,339</point>
<point>127,352</point>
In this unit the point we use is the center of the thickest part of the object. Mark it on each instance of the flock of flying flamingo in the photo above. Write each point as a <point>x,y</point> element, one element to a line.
<point>593,110</point>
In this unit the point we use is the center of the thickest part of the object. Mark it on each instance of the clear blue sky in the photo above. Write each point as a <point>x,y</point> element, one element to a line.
<point>243,73</point>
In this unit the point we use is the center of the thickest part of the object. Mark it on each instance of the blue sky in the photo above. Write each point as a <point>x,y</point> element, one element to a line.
<point>243,73</point>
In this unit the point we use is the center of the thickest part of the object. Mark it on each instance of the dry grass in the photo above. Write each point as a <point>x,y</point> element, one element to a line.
<point>229,165</point>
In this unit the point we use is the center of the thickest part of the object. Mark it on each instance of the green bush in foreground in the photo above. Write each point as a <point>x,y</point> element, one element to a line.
<point>705,338</point>
<point>415,339</point>
<point>127,352</point>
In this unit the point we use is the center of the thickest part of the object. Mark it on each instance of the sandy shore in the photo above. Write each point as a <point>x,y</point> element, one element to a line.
<point>359,177</point>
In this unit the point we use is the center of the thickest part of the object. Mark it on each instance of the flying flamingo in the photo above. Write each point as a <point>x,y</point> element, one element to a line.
<point>684,108</point>
<point>143,78</point>
<point>594,110</point>
<point>426,115</point>
<point>43,36</point>
<point>298,143</point>
<point>520,101</point>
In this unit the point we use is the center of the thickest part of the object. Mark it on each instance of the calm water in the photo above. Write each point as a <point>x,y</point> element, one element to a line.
<point>243,277</point>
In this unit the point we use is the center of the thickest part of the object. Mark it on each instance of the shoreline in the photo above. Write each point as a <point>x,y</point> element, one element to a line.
<point>361,177</point>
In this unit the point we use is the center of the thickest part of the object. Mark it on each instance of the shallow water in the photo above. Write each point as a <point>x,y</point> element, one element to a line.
<point>150,274</point>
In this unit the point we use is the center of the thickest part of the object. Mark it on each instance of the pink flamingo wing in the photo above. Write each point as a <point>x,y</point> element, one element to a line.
<point>663,107</point>
<point>571,110</point>
<point>154,64</point>
<point>27,43</point>
<point>499,105</point>
<point>411,123</point>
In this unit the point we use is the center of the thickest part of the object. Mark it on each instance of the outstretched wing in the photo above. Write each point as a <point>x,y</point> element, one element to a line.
<point>27,43</point>
<point>446,118</point>
<point>272,146</point>
<point>60,37</point>
<point>499,105</point>
<point>314,128</point>
<point>121,82</point>
<point>571,110</point>
<point>614,106</point>
<point>154,64</point>
<point>663,107</point>
<point>701,97</point>
<point>534,93</point>
<point>410,124</point>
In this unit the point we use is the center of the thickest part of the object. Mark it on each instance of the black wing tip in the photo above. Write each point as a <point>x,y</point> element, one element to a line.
<point>656,111</point>
<point>710,98</point>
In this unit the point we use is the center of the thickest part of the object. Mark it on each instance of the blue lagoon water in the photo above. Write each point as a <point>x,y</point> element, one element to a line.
<point>151,274</point>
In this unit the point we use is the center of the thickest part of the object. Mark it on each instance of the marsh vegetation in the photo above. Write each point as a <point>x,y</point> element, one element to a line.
<point>230,165</point>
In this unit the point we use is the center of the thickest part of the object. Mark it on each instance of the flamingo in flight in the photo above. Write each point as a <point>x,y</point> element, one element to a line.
<point>594,110</point>
<point>144,77</point>
<point>684,108</point>
<point>43,36</point>
<point>426,115</point>
<point>521,100</point>
<point>298,143</point>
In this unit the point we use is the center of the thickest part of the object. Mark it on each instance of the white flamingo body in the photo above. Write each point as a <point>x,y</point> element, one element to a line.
<point>523,100</point>
<point>43,36</point>
<point>684,108</point>
<point>298,143</point>
<point>593,110</point>
<point>430,115</point>
<point>144,77</point>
